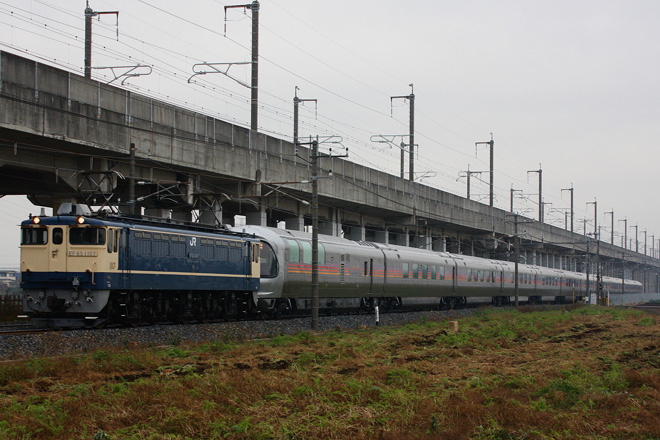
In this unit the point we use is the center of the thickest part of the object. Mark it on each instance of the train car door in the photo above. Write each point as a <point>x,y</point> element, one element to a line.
<point>256,260</point>
<point>125,259</point>
<point>57,258</point>
<point>371,275</point>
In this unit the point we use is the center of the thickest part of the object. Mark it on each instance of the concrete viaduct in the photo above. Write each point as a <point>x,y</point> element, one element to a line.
<point>66,138</point>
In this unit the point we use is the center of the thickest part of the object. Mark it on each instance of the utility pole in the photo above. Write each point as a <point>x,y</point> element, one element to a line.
<point>540,172</point>
<point>513,191</point>
<point>411,126</point>
<point>625,232</point>
<point>89,13</point>
<point>315,234</point>
<point>588,265</point>
<point>517,257</point>
<point>132,203</point>
<point>469,174</point>
<point>636,238</point>
<point>296,102</point>
<point>254,85</point>
<point>612,233</point>
<point>315,156</point>
<point>595,203</point>
<point>492,156</point>
<point>572,212</point>
<point>645,242</point>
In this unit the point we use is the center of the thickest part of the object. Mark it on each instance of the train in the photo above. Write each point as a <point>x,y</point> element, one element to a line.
<point>84,269</point>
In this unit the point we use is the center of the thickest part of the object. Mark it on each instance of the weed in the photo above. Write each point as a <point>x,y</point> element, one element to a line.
<point>174,339</point>
<point>216,347</point>
<point>176,352</point>
<point>399,377</point>
<point>646,322</point>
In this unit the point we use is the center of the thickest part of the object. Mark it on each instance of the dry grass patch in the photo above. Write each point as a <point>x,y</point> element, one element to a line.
<point>562,374</point>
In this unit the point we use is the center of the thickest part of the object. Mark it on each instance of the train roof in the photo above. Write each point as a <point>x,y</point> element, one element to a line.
<point>155,224</point>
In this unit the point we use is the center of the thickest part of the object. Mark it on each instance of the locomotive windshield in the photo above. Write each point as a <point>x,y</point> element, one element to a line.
<point>269,266</point>
<point>87,236</point>
<point>34,236</point>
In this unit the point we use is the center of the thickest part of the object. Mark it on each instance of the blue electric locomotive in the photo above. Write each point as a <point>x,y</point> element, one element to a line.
<point>78,270</point>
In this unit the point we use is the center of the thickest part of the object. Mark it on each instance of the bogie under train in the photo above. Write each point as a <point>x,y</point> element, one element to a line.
<point>83,270</point>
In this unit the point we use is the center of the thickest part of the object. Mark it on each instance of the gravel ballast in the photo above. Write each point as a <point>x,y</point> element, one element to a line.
<point>75,341</point>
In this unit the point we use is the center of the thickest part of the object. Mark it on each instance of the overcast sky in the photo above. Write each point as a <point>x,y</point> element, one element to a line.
<point>570,85</point>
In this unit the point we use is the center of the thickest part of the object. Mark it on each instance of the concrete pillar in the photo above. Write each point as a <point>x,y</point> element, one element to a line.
<point>440,244</point>
<point>256,218</point>
<point>423,242</point>
<point>295,223</point>
<point>382,237</point>
<point>330,228</point>
<point>403,239</point>
<point>357,233</point>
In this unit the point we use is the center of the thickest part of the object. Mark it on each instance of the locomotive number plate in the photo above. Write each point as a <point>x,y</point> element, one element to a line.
<point>83,253</point>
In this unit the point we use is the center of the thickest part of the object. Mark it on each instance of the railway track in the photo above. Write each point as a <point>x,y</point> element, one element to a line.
<point>652,308</point>
<point>18,328</point>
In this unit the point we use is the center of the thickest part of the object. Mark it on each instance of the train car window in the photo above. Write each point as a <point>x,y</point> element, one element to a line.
<point>30,236</point>
<point>87,236</point>
<point>307,252</point>
<point>58,236</point>
<point>268,264</point>
<point>404,269</point>
<point>158,237</point>
<point>441,272</point>
<point>424,269</point>
<point>415,270</point>
<point>294,251</point>
<point>139,235</point>
<point>366,269</point>
<point>321,254</point>
<point>116,247</point>
<point>434,271</point>
<point>111,240</point>
<point>256,251</point>
<point>147,235</point>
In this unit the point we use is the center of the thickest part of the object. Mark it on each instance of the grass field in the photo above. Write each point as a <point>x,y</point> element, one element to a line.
<point>588,372</point>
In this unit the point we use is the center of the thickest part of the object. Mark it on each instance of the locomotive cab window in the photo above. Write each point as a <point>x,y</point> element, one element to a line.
<point>32,236</point>
<point>58,236</point>
<point>87,236</point>
<point>268,262</point>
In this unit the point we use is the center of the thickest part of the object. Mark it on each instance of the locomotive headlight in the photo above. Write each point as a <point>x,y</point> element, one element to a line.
<point>81,220</point>
<point>36,220</point>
